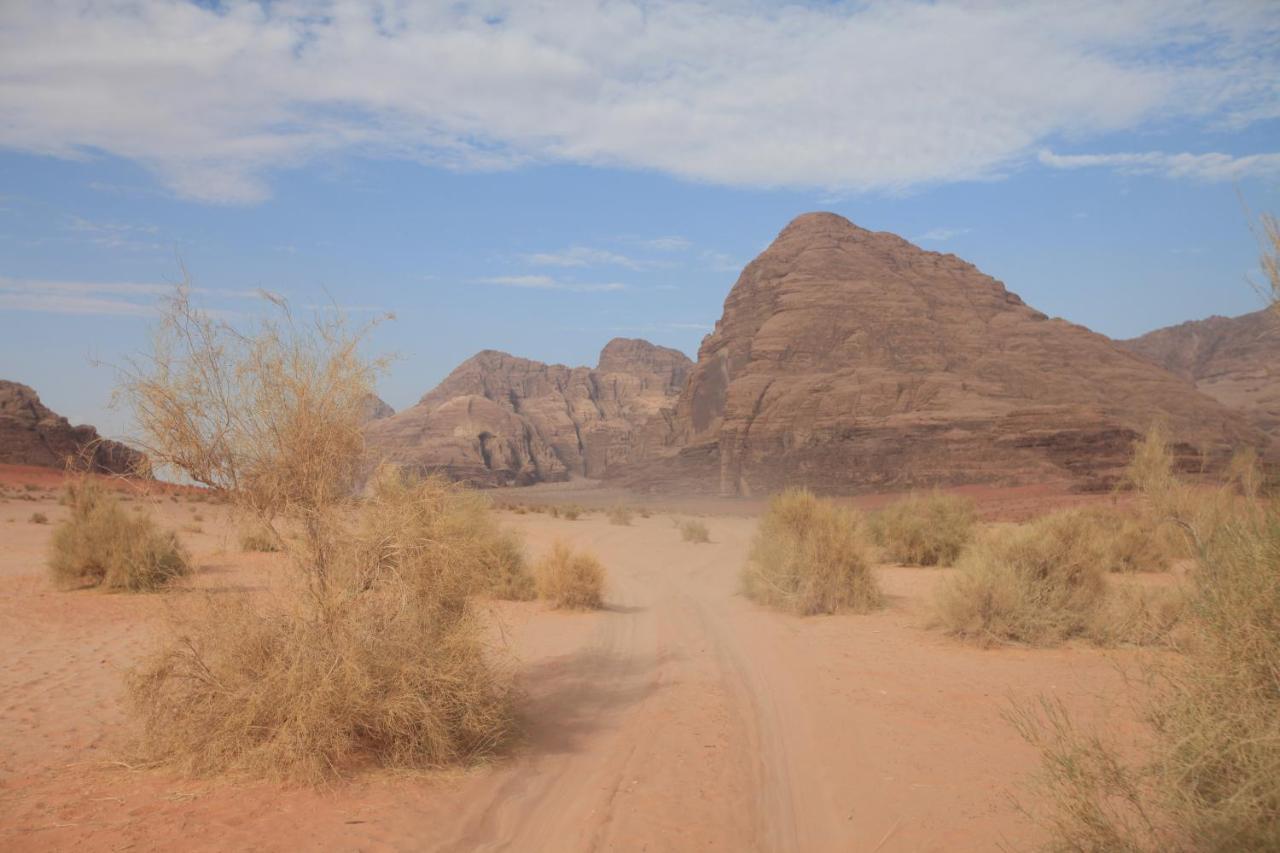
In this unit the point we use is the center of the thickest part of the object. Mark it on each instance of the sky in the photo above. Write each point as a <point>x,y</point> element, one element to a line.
<point>540,177</point>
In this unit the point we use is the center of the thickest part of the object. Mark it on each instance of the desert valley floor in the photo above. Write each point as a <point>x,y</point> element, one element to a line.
<point>680,717</point>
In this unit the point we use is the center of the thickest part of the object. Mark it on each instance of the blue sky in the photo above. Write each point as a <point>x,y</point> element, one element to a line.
<point>541,177</point>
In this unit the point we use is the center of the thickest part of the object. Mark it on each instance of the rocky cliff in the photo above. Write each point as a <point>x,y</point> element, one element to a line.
<point>850,360</point>
<point>33,434</point>
<point>1235,360</point>
<point>498,419</point>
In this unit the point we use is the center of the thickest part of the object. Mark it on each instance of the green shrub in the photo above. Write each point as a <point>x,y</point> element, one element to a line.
<point>808,556</point>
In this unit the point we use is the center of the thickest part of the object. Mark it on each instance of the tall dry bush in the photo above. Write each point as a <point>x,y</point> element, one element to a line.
<point>809,556</point>
<point>99,544</point>
<point>925,530</point>
<point>270,415</point>
<point>450,518</point>
<point>1211,777</point>
<point>379,657</point>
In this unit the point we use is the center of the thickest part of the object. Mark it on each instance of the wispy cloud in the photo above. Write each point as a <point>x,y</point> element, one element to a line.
<point>764,95</point>
<point>135,299</point>
<point>546,282</point>
<point>1211,167</point>
<point>582,256</point>
<point>939,235</point>
<point>68,303</point>
<point>668,244</point>
<point>117,235</point>
<point>720,262</point>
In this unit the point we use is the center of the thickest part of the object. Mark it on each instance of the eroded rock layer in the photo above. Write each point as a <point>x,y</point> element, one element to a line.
<point>498,419</point>
<point>33,434</point>
<point>849,360</point>
<point>1235,360</point>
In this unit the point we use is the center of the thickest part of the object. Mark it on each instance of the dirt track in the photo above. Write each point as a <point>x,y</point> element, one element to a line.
<point>681,718</point>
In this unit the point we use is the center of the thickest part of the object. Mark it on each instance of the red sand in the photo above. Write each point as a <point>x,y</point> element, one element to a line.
<point>682,717</point>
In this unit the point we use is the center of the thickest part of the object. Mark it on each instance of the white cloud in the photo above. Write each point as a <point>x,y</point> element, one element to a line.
<point>546,282</point>
<point>720,262</point>
<point>117,235</point>
<point>939,235</point>
<point>1212,167</point>
<point>839,97</point>
<point>669,244</point>
<point>582,256</point>
<point>136,299</point>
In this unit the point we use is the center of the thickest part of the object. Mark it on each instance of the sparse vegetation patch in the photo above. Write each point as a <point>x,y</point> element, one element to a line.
<point>809,556</point>
<point>570,579</point>
<point>925,530</point>
<point>100,544</point>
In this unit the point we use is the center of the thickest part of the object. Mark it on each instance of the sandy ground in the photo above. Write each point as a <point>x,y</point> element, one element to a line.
<point>682,717</point>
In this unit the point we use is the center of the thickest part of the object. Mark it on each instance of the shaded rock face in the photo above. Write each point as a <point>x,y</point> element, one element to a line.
<point>848,360</point>
<point>375,408</point>
<point>33,434</point>
<point>1235,360</point>
<point>502,420</point>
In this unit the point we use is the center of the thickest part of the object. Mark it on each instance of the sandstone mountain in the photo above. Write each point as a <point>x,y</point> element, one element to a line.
<point>1235,360</point>
<point>850,360</point>
<point>33,434</point>
<point>375,408</point>
<point>498,419</point>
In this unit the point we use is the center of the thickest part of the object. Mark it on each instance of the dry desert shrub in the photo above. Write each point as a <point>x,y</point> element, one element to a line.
<point>925,530</point>
<point>99,544</point>
<point>449,516</point>
<point>693,530</point>
<point>571,512</point>
<point>620,515</point>
<point>1039,584</point>
<point>386,665</point>
<point>377,656</point>
<point>570,579</point>
<point>809,556</point>
<point>259,537</point>
<point>1211,778</point>
<point>382,674</point>
<point>39,518</point>
<point>1134,541</point>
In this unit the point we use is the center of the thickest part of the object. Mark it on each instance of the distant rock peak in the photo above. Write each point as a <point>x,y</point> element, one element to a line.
<point>33,434</point>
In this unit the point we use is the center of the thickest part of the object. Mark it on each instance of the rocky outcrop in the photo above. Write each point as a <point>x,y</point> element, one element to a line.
<point>849,360</point>
<point>1235,360</point>
<point>498,419</point>
<point>33,434</point>
<point>375,408</point>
